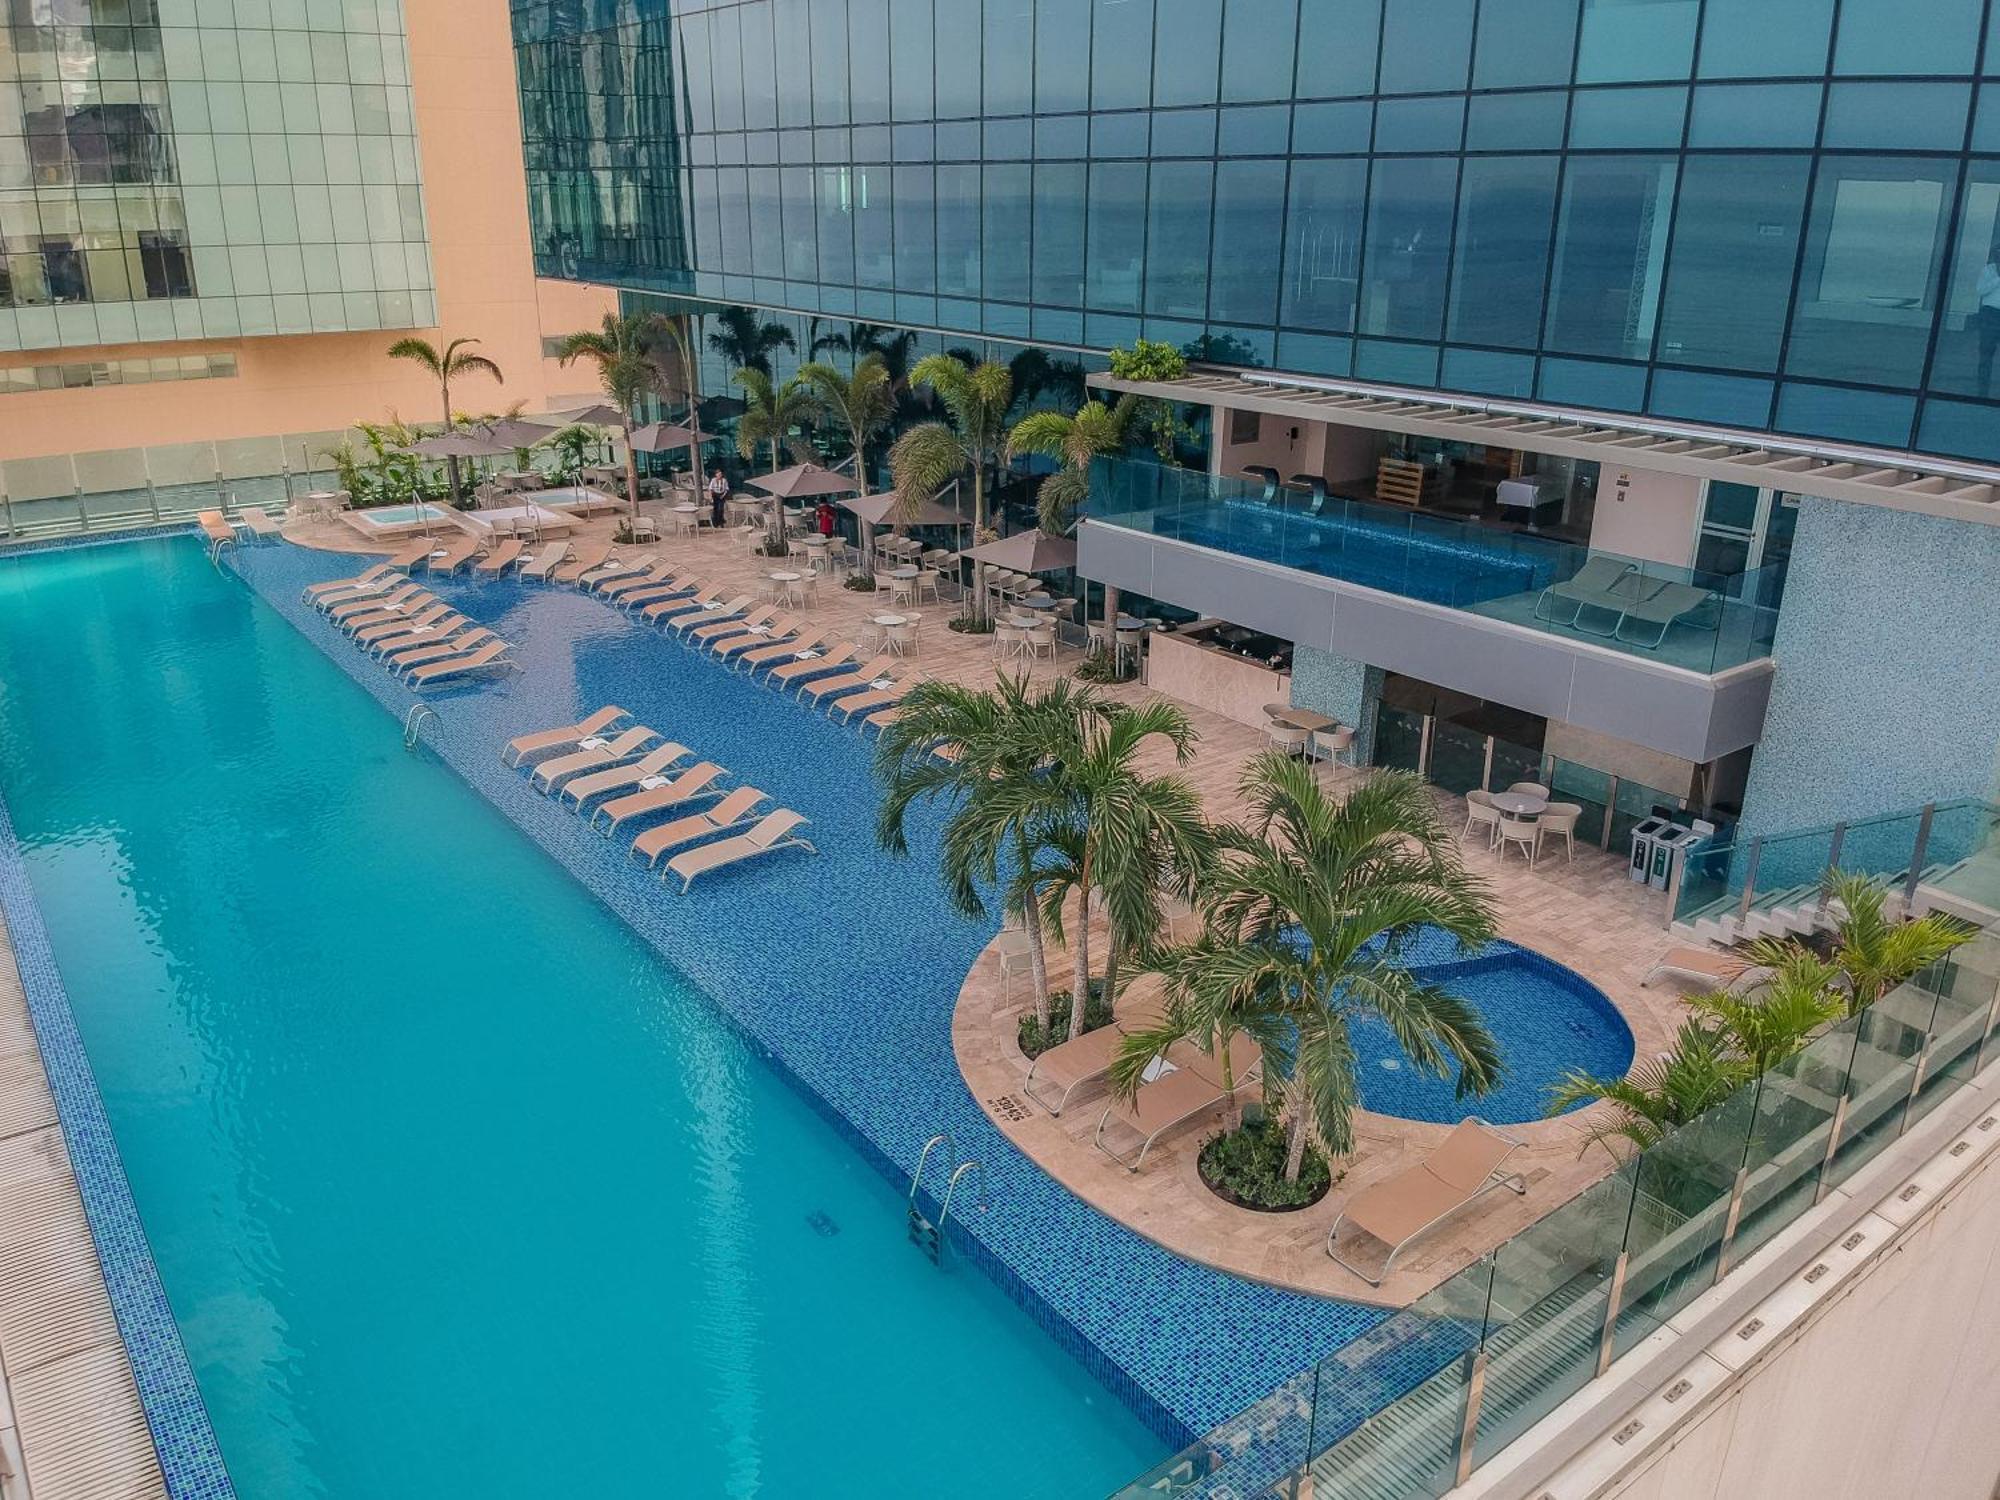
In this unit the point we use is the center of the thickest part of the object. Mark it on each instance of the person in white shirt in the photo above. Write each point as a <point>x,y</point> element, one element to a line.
<point>718,496</point>
<point>1988,317</point>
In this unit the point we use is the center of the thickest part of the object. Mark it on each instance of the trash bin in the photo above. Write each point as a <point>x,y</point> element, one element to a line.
<point>1645,835</point>
<point>1671,849</point>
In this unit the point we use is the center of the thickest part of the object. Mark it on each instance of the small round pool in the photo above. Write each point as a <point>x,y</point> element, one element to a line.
<point>1548,1020</point>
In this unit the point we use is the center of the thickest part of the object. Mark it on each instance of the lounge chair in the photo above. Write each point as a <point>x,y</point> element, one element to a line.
<point>733,812</point>
<point>500,559</point>
<point>810,661</point>
<point>349,609</point>
<point>773,627</point>
<point>613,570</point>
<point>399,613</point>
<point>709,612</point>
<point>648,768</point>
<point>616,589</point>
<point>1192,1086</point>
<point>491,654</point>
<point>1722,971</point>
<point>431,612</point>
<point>215,526</point>
<point>684,598</point>
<point>1591,585</point>
<point>442,628</point>
<point>369,577</point>
<point>716,630</point>
<point>414,555</point>
<point>772,833</point>
<point>403,659</point>
<point>587,558</point>
<point>1068,1066</point>
<point>749,656</point>
<point>546,561</point>
<point>347,593</point>
<point>259,524</point>
<point>454,554</point>
<point>678,586</point>
<point>695,781</point>
<point>874,698</point>
<point>1659,612</point>
<point>1398,1209</point>
<point>862,677</point>
<point>589,754</point>
<point>524,745</point>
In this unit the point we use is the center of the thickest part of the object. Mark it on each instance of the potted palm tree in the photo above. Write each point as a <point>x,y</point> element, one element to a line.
<point>621,350</point>
<point>445,365</point>
<point>1304,916</point>
<point>1872,953</point>
<point>932,454</point>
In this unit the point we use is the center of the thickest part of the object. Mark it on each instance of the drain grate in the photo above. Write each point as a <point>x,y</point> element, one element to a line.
<point>822,1224</point>
<point>1010,1107</point>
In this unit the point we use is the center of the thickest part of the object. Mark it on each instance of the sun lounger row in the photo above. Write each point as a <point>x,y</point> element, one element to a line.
<point>617,779</point>
<point>1641,609</point>
<point>417,635</point>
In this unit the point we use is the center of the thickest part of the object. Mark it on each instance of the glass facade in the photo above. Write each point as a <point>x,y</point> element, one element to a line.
<point>169,174</point>
<point>1762,213</point>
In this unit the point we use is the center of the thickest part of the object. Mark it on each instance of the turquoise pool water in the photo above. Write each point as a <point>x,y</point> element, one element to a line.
<point>456,1188</point>
<point>387,517</point>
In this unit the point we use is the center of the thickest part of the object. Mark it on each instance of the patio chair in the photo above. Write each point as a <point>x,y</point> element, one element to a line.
<point>772,833</point>
<point>722,629</point>
<point>1591,585</point>
<point>776,628</point>
<point>710,612</point>
<point>1191,1084</point>
<point>617,589</point>
<point>1558,821</point>
<point>522,746</point>
<point>400,612</point>
<point>1040,639</point>
<point>351,609</point>
<point>1529,789</point>
<point>1525,832</point>
<point>866,702</point>
<point>1481,813</point>
<point>1404,1206</point>
<point>683,600</point>
<point>613,569</point>
<point>259,524</point>
<point>695,781</point>
<point>1069,1066</point>
<point>412,556</point>
<point>589,754</point>
<point>429,616</point>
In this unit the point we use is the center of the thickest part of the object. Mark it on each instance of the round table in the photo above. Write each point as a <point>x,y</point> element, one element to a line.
<point>1037,602</point>
<point>787,582</point>
<point>885,621</point>
<point>1520,804</point>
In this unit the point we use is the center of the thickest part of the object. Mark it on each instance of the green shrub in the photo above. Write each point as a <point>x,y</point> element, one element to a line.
<point>1246,1166</point>
<point>970,624</point>
<point>1034,1041</point>
<point>1148,359</point>
<point>860,583</point>
<point>1103,666</point>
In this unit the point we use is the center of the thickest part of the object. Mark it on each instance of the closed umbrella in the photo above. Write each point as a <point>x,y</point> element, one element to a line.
<point>516,433</point>
<point>470,443</point>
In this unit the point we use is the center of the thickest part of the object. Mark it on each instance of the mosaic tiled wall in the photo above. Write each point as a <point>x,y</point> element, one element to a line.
<point>1341,688</point>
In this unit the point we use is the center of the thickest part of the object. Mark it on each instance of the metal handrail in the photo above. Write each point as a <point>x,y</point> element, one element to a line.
<point>951,1187</point>
<point>419,715</point>
<point>943,1137</point>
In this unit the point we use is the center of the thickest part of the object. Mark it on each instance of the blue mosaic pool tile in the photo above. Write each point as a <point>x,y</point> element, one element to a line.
<point>190,1459</point>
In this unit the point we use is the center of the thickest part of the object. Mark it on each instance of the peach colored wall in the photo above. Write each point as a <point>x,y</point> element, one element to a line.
<point>469,141</point>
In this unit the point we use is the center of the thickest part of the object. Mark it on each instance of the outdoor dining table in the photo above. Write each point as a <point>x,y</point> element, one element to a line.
<point>1298,718</point>
<point>788,585</point>
<point>1520,804</point>
<point>1037,601</point>
<point>690,517</point>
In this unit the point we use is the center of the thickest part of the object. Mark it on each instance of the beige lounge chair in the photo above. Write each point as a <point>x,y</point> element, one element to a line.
<point>1068,1066</point>
<point>379,575</point>
<point>685,598</point>
<point>546,561</point>
<point>454,554</point>
<point>259,524</point>
<point>1722,971</point>
<point>838,654</point>
<point>648,769</point>
<point>397,612</point>
<point>441,628</point>
<point>733,812</point>
<point>589,754</point>
<point>348,609</point>
<point>748,657</point>
<point>773,627</point>
<point>406,658</point>
<point>862,677</point>
<point>654,577</point>
<point>613,569</point>
<point>587,558</point>
<point>523,745</point>
<point>695,781</point>
<point>1399,1208</point>
<point>676,587</point>
<point>215,526</point>
<point>716,630</point>
<point>431,612</point>
<point>874,698</point>
<point>706,613</point>
<point>500,559</point>
<point>1193,1087</point>
<point>492,654</point>
<point>413,555</point>
<point>772,833</point>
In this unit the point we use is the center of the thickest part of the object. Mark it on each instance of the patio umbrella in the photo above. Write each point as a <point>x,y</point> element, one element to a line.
<point>516,433</point>
<point>466,443</point>
<point>885,509</point>
<point>799,482</point>
<point>598,415</point>
<point>1027,552</point>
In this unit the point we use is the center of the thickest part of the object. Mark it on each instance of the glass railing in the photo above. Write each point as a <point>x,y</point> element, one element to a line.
<point>117,488</point>
<point>1946,853</point>
<point>1413,1406</point>
<point>1706,622</point>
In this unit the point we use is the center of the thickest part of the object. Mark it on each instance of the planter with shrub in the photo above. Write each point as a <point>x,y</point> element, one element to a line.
<point>1034,1041</point>
<point>1246,1167</point>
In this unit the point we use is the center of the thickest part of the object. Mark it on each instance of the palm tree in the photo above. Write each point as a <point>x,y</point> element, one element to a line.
<point>978,752</point>
<point>1075,440</point>
<point>1304,918</point>
<point>621,351</point>
<point>894,345</point>
<point>770,414</point>
<point>444,366</point>
<point>932,454</point>
<point>746,343</point>
<point>1872,952</point>
<point>863,403</point>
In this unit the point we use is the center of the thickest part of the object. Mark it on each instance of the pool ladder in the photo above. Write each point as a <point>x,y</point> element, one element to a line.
<point>414,721</point>
<point>924,1234</point>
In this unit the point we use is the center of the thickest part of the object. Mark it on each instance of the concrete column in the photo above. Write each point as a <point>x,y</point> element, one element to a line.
<point>1342,689</point>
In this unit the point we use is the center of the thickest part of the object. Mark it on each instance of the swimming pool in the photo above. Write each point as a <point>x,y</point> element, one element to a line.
<point>455,1187</point>
<point>1546,1018</point>
<point>396,520</point>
